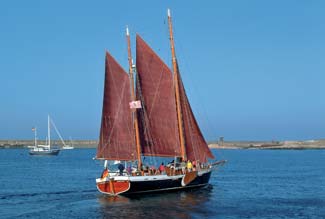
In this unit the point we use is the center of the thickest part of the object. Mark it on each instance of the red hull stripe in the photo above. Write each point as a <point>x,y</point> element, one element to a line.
<point>113,187</point>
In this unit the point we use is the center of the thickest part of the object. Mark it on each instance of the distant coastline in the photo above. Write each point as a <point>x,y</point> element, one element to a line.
<point>308,144</point>
<point>25,143</point>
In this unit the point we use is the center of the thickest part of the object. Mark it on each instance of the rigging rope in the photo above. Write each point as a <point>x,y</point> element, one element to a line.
<point>57,131</point>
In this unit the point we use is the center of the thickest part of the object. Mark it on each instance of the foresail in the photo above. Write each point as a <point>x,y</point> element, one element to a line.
<point>195,145</point>
<point>116,140</point>
<point>157,118</point>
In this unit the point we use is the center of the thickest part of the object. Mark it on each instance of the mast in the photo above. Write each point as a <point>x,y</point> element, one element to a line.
<point>35,135</point>
<point>135,120</point>
<point>176,74</point>
<point>48,130</point>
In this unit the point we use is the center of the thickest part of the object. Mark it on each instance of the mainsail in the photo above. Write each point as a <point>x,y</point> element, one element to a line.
<point>116,140</point>
<point>158,124</point>
<point>192,141</point>
<point>158,118</point>
<point>195,145</point>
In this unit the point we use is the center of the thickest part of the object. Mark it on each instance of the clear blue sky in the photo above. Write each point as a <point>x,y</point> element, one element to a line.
<point>254,70</point>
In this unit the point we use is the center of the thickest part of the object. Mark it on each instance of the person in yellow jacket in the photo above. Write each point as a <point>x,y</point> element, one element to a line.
<point>189,165</point>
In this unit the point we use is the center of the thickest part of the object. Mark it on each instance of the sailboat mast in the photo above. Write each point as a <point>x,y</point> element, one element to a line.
<point>35,135</point>
<point>178,101</point>
<point>48,130</point>
<point>135,117</point>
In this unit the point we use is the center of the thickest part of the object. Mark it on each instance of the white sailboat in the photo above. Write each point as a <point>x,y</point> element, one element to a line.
<point>44,149</point>
<point>68,147</point>
<point>65,146</point>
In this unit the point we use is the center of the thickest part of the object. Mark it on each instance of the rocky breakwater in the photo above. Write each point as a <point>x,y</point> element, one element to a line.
<point>308,144</point>
<point>26,143</point>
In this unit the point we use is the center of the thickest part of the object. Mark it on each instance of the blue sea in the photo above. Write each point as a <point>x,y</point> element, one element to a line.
<point>252,184</point>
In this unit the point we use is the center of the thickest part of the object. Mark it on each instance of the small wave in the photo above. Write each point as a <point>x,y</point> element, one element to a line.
<point>17,195</point>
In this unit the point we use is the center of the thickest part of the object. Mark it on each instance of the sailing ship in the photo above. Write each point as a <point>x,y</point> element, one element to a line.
<point>68,147</point>
<point>64,145</point>
<point>149,117</point>
<point>47,148</point>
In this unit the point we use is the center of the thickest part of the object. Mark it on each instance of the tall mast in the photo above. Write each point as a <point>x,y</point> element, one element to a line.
<point>178,101</point>
<point>48,130</point>
<point>135,120</point>
<point>35,135</point>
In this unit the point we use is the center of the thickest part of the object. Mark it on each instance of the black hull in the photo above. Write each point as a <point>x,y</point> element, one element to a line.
<point>166,185</point>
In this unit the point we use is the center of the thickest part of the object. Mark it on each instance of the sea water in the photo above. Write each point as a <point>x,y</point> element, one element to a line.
<point>252,184</point>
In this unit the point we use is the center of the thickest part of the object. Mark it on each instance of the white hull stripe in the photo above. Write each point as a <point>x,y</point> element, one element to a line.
<point>146,178</point>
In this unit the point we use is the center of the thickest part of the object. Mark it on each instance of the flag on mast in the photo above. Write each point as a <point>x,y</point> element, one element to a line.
<point>135,104</point>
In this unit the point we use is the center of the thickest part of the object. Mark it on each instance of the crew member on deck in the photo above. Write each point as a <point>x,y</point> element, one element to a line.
<point>121,168</point>
<point>183,166</point>
<point>162,168</point>
<point>129,169</point>
<point>189,166</point>
<point>194,165</point>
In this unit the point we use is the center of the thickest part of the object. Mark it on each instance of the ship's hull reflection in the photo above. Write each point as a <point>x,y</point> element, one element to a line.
<point>183,204</point>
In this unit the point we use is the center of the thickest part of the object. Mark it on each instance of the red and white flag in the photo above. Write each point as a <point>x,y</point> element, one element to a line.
<point>135,104</point>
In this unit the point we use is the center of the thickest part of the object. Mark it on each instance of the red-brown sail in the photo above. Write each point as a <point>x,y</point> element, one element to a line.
<point>195,145</point>
<point>116,140</point>
<point>158,120</point>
